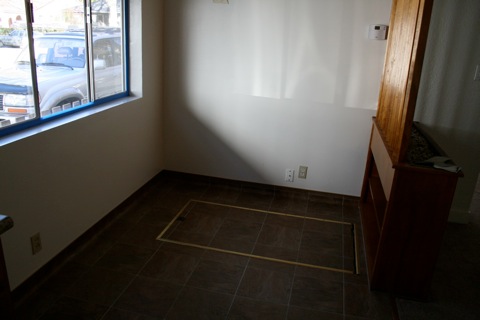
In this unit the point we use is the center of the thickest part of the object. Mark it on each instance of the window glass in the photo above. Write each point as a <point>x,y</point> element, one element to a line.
<point>73,58</point>
<point>16,89</point>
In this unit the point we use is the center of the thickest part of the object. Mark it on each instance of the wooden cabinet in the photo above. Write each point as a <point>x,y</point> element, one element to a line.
<point>404,211</point>
<point>404,206</point>
<point>6,305</point>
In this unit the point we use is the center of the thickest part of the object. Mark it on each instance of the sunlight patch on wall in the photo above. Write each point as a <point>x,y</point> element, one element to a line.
<point>310,50</point>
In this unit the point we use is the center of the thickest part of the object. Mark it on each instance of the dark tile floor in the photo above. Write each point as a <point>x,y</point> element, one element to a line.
<point>123,272</point>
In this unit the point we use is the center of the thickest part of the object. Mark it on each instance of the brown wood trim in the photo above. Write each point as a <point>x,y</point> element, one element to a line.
<point>403,66</point>
<point>29,286</point>
<point>413,83</point>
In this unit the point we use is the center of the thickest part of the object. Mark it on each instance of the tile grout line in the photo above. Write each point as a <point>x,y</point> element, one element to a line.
<point>136,276</point>
<point>296,271</point>
<point>116,242</point>
<point>245,269</point>
<point>181,290</point>
<point>256,241</point>
<point>238,288</point>
<point>298,256</point>
<point>184,285</point>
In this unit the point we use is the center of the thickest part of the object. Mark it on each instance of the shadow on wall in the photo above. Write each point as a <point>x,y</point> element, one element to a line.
<point>184,133</point>
<point>213,157</point>
<point>255,87</point>
<point>449,98</point>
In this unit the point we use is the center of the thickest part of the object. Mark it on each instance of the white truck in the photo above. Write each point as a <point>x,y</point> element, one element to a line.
<point>62,75</point>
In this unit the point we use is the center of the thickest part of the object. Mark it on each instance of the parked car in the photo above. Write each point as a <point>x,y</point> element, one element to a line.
<point>62,75</point>
<point>16,38</point>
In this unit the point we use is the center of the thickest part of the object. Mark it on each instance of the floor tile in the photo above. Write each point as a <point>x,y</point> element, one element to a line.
<point>324,227</point>
<point>143,235</point>
<point>123,272</point>
<point>323,243</point>
<point>265,284</point>
<point>202,239</point>
<point>276,252</point>
<point>318,294</point>
<point>226,242</point>
<point>320,274</point>
<point>245,308</point>
<point>148,296</point>
<point>351,211</point>
<point>239,230</point>
<point>296,313</point>
<point>119,314</point>
<point>70,308</point>
<point>223,193</point>
<point>325,206</point>
<point>37,304</point>
<point>117,229</point>
<point>90,253</point>
<point>189,189</point>
<point>246,214</point>
<point>201,219</point>
<point>272,266</point>
<point>259,197</point>
<point>280,236</point>
<point>357,300</point>
<point>65,277</point>
<point>100,286</point>
<point>125,258</point>
<point>232,259</point>
<point>174,201</point>
<point>216,276</point>
<point>194,303</point>
<point>290,201</point>
<point>159,217</point>
<point>323,259</point>
<point>171,265</point>
<point>131,212</point>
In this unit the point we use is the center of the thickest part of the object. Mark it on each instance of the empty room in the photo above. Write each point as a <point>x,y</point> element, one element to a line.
<point>239,159</point>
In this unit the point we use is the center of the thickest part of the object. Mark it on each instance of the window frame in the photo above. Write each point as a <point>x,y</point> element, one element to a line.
<point>99,103</point>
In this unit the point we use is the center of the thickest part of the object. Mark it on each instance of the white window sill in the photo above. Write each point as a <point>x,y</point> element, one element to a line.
<point>54,123</point>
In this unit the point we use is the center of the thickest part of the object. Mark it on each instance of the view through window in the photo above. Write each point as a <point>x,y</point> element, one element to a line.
<point>71,55</point>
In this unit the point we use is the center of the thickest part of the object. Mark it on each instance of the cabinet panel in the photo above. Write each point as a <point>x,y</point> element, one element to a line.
<point>409,22</point>
<point>404,208</point>
<point>383,162</point>
<point>403,234</point>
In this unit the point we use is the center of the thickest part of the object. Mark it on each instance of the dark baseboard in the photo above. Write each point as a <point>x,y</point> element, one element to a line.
<point>29,286</point>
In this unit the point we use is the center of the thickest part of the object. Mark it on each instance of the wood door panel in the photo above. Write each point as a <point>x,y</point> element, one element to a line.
<point>403,63</point>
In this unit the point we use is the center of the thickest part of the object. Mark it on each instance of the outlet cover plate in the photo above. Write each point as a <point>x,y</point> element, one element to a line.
<point>302,172</point>
<point>289,174</point>
<point>36,243</point>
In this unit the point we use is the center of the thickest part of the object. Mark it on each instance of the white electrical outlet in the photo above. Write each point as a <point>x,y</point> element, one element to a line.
<point>289,173</point>
<point>302,172</point>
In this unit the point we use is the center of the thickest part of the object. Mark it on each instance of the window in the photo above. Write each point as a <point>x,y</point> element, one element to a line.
<point>70,57</point>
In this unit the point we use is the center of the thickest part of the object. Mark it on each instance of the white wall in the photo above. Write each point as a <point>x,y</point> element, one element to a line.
<point>258,86</point>
<point>62,181</point>
<point>449,99</point>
